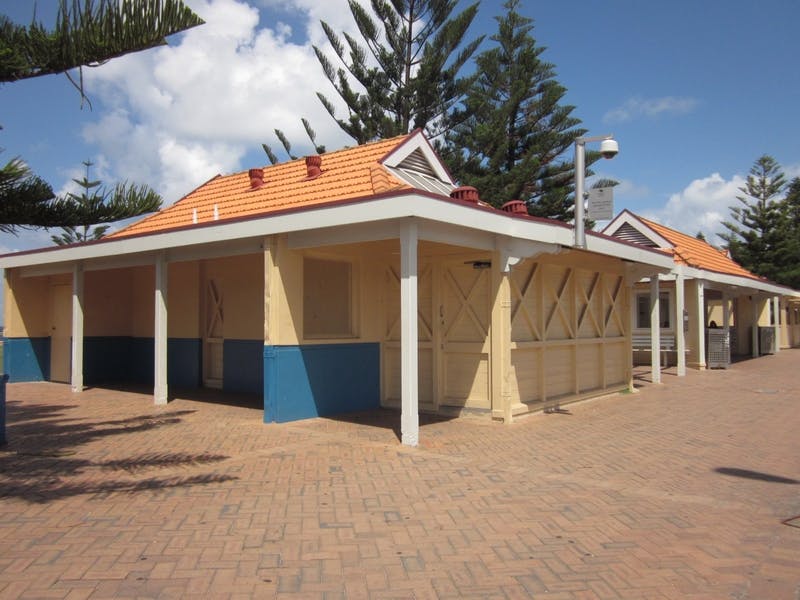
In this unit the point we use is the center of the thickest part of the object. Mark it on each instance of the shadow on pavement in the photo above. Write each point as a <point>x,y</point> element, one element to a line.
<point>747,474</point>
<point>40,463</point>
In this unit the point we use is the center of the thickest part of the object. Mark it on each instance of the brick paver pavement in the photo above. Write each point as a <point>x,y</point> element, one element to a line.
<point>678,491</point>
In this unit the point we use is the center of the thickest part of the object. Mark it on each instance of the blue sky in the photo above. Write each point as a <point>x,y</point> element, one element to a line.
<point>694,92</point>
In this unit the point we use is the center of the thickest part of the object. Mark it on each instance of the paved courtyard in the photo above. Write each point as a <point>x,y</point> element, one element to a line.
<point>678,491</point>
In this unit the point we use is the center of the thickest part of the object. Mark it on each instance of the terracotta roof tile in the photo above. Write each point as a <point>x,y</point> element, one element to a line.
<point>696,253</point>
<point>346,174</point>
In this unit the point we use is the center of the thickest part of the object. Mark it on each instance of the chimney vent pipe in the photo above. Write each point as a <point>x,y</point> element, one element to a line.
<point>313,166</point>
<point>256,178</point>
<point>466,193</point>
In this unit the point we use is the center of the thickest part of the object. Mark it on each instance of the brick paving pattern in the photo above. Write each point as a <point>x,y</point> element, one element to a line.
<point>678,491</point>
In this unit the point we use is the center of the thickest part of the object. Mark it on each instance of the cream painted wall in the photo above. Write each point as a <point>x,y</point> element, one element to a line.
<point>570,324</point>
<point>286,291</point>
<point>241,282</point>
<point>107,303</point>
<point>27,305</point>
<point>183,297</point>
<point>142,301</point>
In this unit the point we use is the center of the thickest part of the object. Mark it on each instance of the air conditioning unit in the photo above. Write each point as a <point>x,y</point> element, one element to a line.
<point>719,349</point>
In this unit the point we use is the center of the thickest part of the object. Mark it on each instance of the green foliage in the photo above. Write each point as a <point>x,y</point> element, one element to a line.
<point>86,32</point>
<point>513,132</point>
<point>32,197</point>
<point>789,245</point>
<point>756,229</point>
<point>287,145</point>
<point>405,75</point>
<point>97,204</point>
<point>89,33</point>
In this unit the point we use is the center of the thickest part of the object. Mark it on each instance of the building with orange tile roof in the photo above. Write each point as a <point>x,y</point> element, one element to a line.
<point>361,278</point>
<point>709,305</point>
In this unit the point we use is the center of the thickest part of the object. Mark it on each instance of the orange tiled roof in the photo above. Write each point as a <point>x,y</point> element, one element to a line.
<point>696,253</point>
<point>346,174</point>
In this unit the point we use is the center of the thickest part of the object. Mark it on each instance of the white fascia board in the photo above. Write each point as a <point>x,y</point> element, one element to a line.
<point>663,262</point>
<point>447,215</point>
<point>742,283</point>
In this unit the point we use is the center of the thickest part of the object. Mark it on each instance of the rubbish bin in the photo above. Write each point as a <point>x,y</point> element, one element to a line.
<point>3,381</point>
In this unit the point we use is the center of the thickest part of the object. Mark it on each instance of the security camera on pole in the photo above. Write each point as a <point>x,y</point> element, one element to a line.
<point>609,148</point>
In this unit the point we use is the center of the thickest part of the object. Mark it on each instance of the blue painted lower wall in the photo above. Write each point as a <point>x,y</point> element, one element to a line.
<point>109,359</point>
<point>243,366</point>
<point>297,382</point>
<point>26,359</point>
<point>301,382</point>
<point>125,359</point>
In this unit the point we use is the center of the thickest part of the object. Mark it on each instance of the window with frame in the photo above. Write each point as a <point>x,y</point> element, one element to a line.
<point>327,298</point>
<point>643,311</point>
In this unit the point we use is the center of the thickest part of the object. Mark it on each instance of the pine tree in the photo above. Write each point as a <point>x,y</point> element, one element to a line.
<point>755,232</point>
<point>514,131</point>
<point>410,80</point>
<point>97,204</point>
<point>86,33</point>
<point>789,245</point>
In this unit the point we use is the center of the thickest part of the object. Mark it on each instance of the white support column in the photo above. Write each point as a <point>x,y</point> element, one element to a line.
<point>160,392</point>
<point>76,377</point>
<point>726,313</point>
<point>680,332</point>
<point>754,331</point>
<point>631,291</point>
<point>655,330</point>
<point>701,324</point>
<point>726,318</point>
<point>776,322</point>
<point>409,391</point>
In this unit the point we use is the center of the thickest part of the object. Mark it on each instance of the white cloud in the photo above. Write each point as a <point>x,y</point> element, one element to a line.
<point>792,171</point>
<point>178,115</point>
<point>638,107</point>
<point>702,206</point>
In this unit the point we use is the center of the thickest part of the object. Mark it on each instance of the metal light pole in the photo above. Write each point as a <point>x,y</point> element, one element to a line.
<point>609,148</point>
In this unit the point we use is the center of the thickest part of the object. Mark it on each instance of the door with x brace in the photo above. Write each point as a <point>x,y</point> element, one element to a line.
<point>213,335</point>
<point>464,318</point>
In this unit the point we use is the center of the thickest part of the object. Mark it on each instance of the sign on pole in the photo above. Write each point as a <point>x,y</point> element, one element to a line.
<point>601,204</point>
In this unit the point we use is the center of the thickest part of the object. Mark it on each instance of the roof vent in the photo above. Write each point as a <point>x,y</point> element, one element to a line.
<point>256,178</point>
<point>313,164</point>
<point>466,193</point>
<point>515,207</point>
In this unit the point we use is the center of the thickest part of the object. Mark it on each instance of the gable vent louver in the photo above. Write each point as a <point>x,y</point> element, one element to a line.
<point>417,162</point>
<point>630,234</point>
<point>417,172</point>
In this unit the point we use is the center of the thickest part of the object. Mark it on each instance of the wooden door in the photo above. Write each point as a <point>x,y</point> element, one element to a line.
<point>426,354</point>
<point>465,314</point>
<point>213,335</point>
<point>61,333</point>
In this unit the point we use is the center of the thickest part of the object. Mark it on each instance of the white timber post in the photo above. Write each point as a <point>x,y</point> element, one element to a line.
<point>409,392</point>
<point>655,330</point>
<point>726,317</point>
<point>632,307</point>
<point>701,324</point>
<point>776,316</point>
<point>680,333</point>
<point>76,376</point>
<point>754,332</point>
<point>160,390</point>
